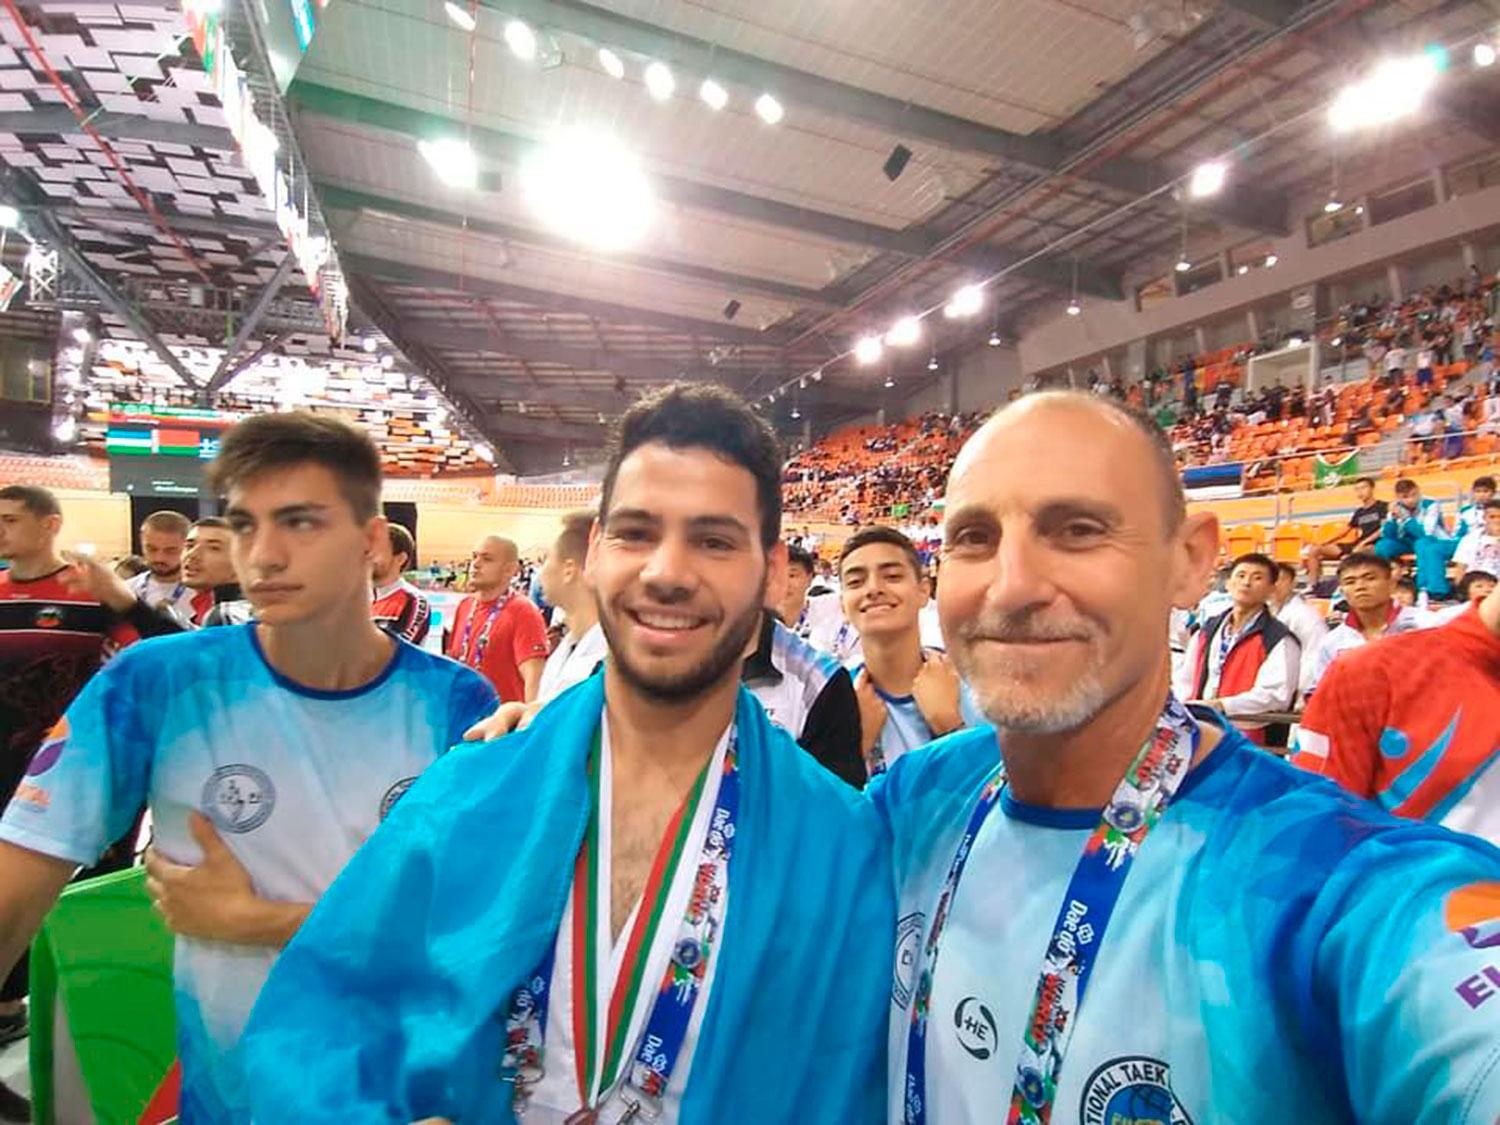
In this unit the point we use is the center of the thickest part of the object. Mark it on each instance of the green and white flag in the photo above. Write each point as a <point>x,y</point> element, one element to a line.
<point>1329,472</point>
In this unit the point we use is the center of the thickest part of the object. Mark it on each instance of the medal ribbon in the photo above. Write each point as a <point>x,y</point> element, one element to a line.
<point>671,1011</point>
<point>1139,800</point>
<point>475,658</point>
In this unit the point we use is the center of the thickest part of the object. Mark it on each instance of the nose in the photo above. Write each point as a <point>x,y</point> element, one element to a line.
<point>1019,577</point>
<point>667,573</point>
<point>263,552</point>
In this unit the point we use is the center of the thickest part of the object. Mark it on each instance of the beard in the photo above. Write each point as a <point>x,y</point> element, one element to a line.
<point>722,660</point>
<point>1005,694</point>
<point>165,571</point>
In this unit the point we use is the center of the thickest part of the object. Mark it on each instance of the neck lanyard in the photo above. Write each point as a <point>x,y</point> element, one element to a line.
<point>475,658</point>
<point>1087,906</point>
<point>650,1071</point>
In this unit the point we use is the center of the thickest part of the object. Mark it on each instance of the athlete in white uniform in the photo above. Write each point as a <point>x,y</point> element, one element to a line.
<point>565,586</point>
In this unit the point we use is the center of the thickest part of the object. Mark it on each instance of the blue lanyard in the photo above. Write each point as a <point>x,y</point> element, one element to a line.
<point>476,659</point>
<point>666,1027</point>
<point>1087,907</point>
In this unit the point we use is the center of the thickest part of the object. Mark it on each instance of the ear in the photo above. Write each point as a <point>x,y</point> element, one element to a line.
<point>776,576</point>
<point>376,528</point>
<point>1195,550</point>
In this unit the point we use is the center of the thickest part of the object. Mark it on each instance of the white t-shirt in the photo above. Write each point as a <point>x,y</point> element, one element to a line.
<point>155,592</point>
<point>555,1097</point>
<point>572,662</point>
<point>1478,551</point>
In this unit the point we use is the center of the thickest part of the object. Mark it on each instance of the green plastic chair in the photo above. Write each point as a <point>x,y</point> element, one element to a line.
<point>104,959</point>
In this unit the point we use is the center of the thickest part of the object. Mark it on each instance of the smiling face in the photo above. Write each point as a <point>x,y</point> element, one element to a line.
<point>678,570</point>
<point>881,591</point>
<point>1060,571</point>
<point>299,551</point>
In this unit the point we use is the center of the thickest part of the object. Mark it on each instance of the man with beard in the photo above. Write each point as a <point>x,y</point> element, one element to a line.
<point>552,927</point>
<point>163,538</point>
<point>1268,940</point>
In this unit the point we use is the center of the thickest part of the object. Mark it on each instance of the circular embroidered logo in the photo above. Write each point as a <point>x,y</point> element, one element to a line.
<point>49,617</point>
<point>238,798</point>
<point>1133,1088</point>
<point>394,794</point>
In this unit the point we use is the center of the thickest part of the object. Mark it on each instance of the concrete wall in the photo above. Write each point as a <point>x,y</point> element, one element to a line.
<point>1428,237</point>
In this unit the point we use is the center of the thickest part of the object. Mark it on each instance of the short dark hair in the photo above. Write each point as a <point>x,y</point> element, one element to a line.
<point>402,544</point>
<point>34,498</point>
<point>1365,480</point>
<point>1363,558</point>
<point>1163,457</point>
<point>702,416</point>
<point>1466,583</point>
<point>1483,482</point>
<point>877,533</point>
<point>799,556</point>
<point>173,523</point>
<point>1492,505</point>
<point>573,539</point>
<point>1287,569</point>
<point>1405,485</point>
<point>212,521</point>
<point>1255,558</point>
<point>264,442</point>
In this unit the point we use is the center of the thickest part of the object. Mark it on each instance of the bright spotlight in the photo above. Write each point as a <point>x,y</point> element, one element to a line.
<point>66,430</point>
<point>387,361</point>
<point>459,15</point>
<point>1333,206</point>
<point>769,109</point>
<point>1183,265</point>
<point>369,343</point>
<point>1391,91</point>
<point>932,364</point>
<point>966,302</point>
<point>889,383</point>
<point>904,333</point>
<point>1484,54</point>
<point>1336,341</point>
<point>521,40</point>
<point>714,96</point>
<point>610,63</point>
<point>10,218</point>
<point>453,161</point>
<point>587,187</point>
<point>1271,260</point>
<point>796,413</point>
<point>659,81</point>
<point>1243,270</point>
<point>869,350</point>
<point>994,340</point>
<point>1208,179</point>
<point>1074,308</point>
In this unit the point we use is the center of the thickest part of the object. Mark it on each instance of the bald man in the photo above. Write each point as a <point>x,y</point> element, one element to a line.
<point>497,631</point>
<point>1283,943</point>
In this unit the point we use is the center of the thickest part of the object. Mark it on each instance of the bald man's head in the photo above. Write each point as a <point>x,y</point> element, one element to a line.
<point>493,564</point>
<point>1066,545</point>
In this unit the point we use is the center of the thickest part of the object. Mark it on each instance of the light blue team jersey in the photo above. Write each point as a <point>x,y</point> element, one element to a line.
<point>1281,951</point>
<point>293,780</point>
<point>906,727</point>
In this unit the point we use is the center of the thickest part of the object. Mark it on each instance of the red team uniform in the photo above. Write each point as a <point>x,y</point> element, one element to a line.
<point>496,637</point>
<point>1413,723</point>
<point>401,609</point>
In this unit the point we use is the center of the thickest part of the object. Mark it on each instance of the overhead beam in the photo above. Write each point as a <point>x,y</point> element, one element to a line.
<point>117,127</point>
<point>403,273</point>
<point>528,429</point>
<point>495,146</point>
<point>253,316</point>
<point>1040,152</point>
<point>1265,14</point>
<point>432,334</point>
<point>335,197</point>
<point>19,186</point>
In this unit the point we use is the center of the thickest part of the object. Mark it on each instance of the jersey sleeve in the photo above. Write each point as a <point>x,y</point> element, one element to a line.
<point>90,777</point>
<point>415,619</point>
<point>472,698</point>
<point>528,639</point>
<point>1409,969</point>
<point>830,733</point>
<point>1341,728</point>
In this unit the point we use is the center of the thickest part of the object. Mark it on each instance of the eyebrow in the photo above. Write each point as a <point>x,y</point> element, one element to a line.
<point>279,513</point>
<point>697,523</point>
<point>1051,513</point>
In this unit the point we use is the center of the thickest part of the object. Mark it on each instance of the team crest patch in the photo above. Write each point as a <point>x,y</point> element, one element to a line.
<point>50,751</point>
<point>1133,1089</point>
<point>394,794</point>
<point>49,617</point>
<point>238,798</point>
<point>908,951</point>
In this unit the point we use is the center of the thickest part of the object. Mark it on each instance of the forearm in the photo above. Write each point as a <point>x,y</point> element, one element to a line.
<point>263,921</point>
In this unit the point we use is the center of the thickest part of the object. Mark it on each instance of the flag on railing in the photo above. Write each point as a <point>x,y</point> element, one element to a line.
<point>1214,482</point>
<point>1331,471</point>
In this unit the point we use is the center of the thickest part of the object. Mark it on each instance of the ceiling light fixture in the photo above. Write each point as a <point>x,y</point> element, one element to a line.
<point>966,302</point>
<point>452,160</point>
<point>1271,260</point>
<point>1183,265</point>
<point>932,364</point>
<point>659,81</point>
<point>611,63</point>
<point>889,383</point>
<point>904,333</point>
<point>1333,206</point>
<point>586,186</point>
<point>769,109</point>
<point>369,343</point>
<point>817,376</point>
<point>1207,179</point>
<point>1393,90</point>
<point>1243,270</point>
<point>869,350</point>
<point>388,361</point>
<point>459,15</point>
<point>520,39</point>
<point>796,413</point>
<point>994,340</point>
<point>1484,54</point>
<point>714,96</point>
<point>1074,308</point>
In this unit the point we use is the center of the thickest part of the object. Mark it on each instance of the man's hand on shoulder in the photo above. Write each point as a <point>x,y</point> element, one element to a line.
<point>936,689</point>
<point>508,717</point>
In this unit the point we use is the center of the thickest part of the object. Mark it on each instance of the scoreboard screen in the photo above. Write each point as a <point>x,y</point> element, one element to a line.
<point>162,451</point>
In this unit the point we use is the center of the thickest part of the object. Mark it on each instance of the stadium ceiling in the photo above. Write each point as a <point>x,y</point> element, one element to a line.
<point>1034,129</point>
